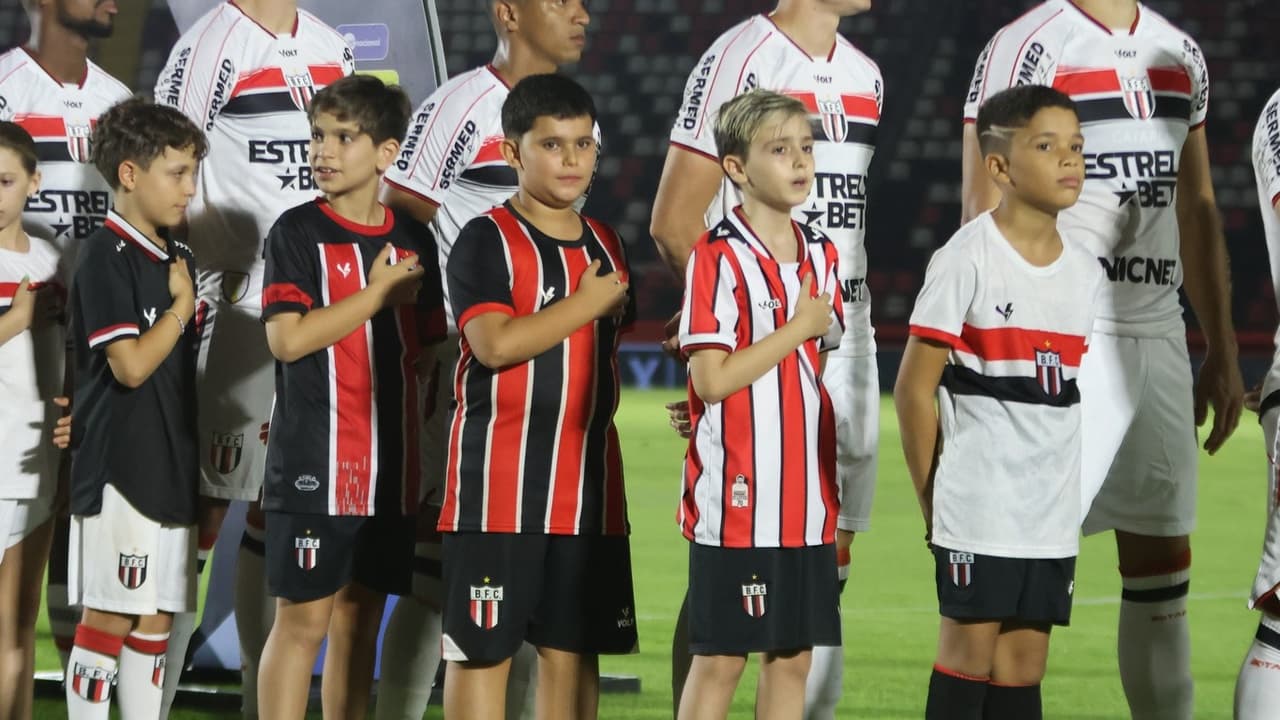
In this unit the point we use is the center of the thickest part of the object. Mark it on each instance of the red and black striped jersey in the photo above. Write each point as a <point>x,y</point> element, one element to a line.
<point>141,440</point>
<point>532,446</point>
<point>345,426</point>
<point>761,466</point>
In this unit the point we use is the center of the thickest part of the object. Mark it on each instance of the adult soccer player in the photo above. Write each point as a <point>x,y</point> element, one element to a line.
<point>1148,214</point>
<point>795,50</point>
<point>245,72</point>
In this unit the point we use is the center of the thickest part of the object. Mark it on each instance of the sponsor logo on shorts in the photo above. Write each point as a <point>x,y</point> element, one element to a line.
<point>1049,370</point>
<point>78,142</point>
<point>132,571</point>
<point>961,569</point>
<point>485,600</point>
<point>739,494</point>
<point>91,682</point>
<point>626,619</point>
<point>1071,587</point>
<point>224,453</point>
<point>301,89</point>
<point>753,595</point>
<point>235,285</point>
<point>306,483</point>
<point>305,551</point>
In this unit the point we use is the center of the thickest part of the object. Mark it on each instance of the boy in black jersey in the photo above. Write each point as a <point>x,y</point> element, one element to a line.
<point>134,463</point>
<point>348,309</point>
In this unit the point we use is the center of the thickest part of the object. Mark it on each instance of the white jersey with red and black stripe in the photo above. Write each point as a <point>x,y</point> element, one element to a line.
<point>1008,479</point>
<point>1139,92</point>
<point>73,198</point>
<point>344,430</point>
<point>843,92</point>
<point>760,468</point>
<point>249,90</point>
<point>1266,172</point>
<point>532,446</point>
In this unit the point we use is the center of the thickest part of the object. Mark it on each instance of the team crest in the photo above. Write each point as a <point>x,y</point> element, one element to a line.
<point>91,682</point>
<point>1139,100</point>
<point>157,671</point>
<point>834,124</point>
<point>485,600</point>
<point>78,143</point>
<point>753,595</point>
<point>301,89</point>
<point>1049,371</point>
<point>961,569</point>
<point>305,550</point>
<point>235,285</point>
<point>132,571</point>
<point>225,451</point>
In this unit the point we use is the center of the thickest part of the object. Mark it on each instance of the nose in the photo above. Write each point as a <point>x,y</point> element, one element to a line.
<point>582,17</point>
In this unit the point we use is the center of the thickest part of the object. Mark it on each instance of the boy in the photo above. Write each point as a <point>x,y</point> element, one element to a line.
<point>133,464</point>
<point>997,333</point>
<point>534,515</point>
<point>760,495</point>
<point>348,311</point>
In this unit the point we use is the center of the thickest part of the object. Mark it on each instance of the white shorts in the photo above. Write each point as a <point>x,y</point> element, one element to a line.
<point>235,384</point>
<point>434,445</point>
<point>1138,435</point>
<point>1268,577</point>
<point>854,386</point>
<point>20,518</point>
<point>123,562</point>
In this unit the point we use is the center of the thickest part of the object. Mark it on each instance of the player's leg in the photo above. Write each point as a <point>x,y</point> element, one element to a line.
<point>522,684</point>
<point>255,609</point>
<point>140,678</point>
<point>94,661</point>
<point>410,657</point>
<point>21,573</point>
<point>1154,639</point>
<point>211,513</point>
<point>708,689</point>
<point>1017,668</point>
<point>284,676</point>
<point>349,656</point>
<point>681,658</point>
<point>1258,684</point>
<point>588,686</point>
<point>475,690</point>
<point>63,614</point>
<point>780,692</point>
<point>558,680</point>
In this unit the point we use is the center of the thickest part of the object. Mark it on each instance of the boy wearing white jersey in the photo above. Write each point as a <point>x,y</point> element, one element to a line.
<point>245,72</point>
<point>997,333</point>
<point>1257,690</point>
<point>795,51</point>
<point>451,170</point>
<point>1148,214</point>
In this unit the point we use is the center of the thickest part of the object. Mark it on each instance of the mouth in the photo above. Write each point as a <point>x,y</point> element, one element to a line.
<point>1070,182</point>
<point>108,5</point>
<point>579,40</point>
<point>325,173</point>
<point>569,179</point>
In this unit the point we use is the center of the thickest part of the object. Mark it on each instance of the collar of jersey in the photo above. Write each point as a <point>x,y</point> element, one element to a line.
<point>1080,14</point>
<point>748,235</point>
<point>125,231</point>
<point>31,55</point>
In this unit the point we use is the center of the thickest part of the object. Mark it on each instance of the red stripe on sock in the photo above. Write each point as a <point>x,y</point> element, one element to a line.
<point>146,646</point>
<point>958,674</point>
<point>1180,563</point>
<point>99,641</point>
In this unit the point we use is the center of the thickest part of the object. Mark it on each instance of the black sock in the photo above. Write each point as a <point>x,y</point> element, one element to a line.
<point>1012,702</point>
<point>954,696</point>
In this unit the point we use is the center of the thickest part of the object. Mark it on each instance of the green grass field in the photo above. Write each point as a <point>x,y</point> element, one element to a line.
<point>890,612</point>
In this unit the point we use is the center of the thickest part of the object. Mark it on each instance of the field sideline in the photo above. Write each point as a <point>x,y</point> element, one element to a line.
<point>890,611</point>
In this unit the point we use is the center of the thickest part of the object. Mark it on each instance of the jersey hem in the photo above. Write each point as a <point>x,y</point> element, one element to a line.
<point>942,336</point>
<point>482,308</point>
<point>1004,551</point>
<point>411,191</point>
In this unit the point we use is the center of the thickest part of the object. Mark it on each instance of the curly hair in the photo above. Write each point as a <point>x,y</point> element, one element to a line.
<point>138,130</point>
<point>14,137</point>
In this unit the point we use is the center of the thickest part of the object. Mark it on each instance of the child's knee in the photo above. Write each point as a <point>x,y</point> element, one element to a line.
<point>720,668</point>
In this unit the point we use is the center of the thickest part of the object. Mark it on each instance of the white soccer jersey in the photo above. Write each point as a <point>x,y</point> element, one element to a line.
<point>1008,479</point>
<point>1139,93</point>
<point>843,93</point>
<point>73,198</point>
<point>249,89</point>
<point>1266,171</point>
<point>30,376</point>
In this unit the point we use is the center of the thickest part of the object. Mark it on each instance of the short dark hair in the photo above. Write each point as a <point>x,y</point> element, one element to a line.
<point>1012,109</point>
<point>14,137</point>
<point>549,95</point>
<point>139,130</point>
<point>381,111</point>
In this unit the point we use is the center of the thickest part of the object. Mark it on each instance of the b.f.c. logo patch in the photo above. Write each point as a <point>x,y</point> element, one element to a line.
<point>834,124</point>
<point>305,550</point>
<point>301,89</point>
<point>78,142</point>
<point>753,595</point>
<point>225,451</point>
<point>235,285</point>
<point>961,569</point>
<point>485,600</point>
<point>1139,100</point>
<point>132,571</point>
<point>1049,371</point>
<point>157,672</point>
<point>91,682</point>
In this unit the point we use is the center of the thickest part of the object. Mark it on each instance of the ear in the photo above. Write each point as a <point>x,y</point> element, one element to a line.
<point>998,167</point>
<point>505,14</point>
<point>387,153</point>
<point>511,153</point>
<point>735,167</point>
<point>127,174</point>
<point>33,186</point>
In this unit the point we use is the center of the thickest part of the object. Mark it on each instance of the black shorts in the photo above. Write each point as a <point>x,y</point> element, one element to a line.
<point>567,592</point>
<point>745,600</point>
<point>984,587</point>
<point>314,556</point>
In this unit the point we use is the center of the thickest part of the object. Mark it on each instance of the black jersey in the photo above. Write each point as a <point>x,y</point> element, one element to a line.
<point>141,440</point>
<point>345,428</point>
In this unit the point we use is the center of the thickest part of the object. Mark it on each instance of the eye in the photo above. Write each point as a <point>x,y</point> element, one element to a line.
<point>551,144</point>
<point>1043,146</point>
<point>807,148</point>
<point>1077,147</point>
<point>344,138</point>
<point>317,136</point>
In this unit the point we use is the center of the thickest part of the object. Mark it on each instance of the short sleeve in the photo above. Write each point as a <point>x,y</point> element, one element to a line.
<point>1266,154</point>
<point>290,283</point>
<point>1198,71</point>
<point>722,73</point>
<point>944,301</point>
<point>478,276</point>
<point>709,317</point>
<point>443,139</point>
<point>105,283</point>
<point>200,75</point>
<point>1005,62</point>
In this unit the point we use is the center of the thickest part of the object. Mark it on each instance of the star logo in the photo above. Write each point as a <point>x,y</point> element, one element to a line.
<point>286,181</point>
<point>60,230</point>
<point>1125,196</point>
<point>811,215</point>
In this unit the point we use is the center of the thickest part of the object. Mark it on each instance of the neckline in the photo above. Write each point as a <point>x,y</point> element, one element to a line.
<point>830,53</point>
<point>1133,28</point>
<point>388,220</point>
<point>126,231</point>
<point>1017,257</point>
<point>77,85</point>
<point>536,232</point>
<point>759,247</point>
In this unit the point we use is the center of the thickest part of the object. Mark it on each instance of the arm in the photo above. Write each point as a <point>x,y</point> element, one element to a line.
<point>1206,278</point>
<point>133,360</point>
<point>419,208</point>
<point>689,183</point>
<point>914,397</point>
<point>978,192</point>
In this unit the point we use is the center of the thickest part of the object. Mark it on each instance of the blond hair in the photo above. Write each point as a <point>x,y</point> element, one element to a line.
<point>742,117</point>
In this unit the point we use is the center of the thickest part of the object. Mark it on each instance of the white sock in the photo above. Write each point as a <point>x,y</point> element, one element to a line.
<point>140,682</point>
<point>91,670</point>
<point>522,681</point>
<point>1258,686</point>
<point>1154,646</point>
<point>175,659</point>
<point>826,667</point>
<point>255,612</point>
<point>410,657</point>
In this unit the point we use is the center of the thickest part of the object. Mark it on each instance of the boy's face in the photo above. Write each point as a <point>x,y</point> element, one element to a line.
<point>1044,165</point>
<point>16,184</point>
<point>343,158</point>
<point>163,189</point>
<point>778,168</point>
<point>555,159</point>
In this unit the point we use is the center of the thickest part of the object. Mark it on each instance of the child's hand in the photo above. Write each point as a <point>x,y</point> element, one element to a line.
<point>62,430</point>
<point>24,303</point>
<point>398,282</point>
<point>678,412</point>
<point>180,289</point>
<point>607,293</point>
<point>813,314</point>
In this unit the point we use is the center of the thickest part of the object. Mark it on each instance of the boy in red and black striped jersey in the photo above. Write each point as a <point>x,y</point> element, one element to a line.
<point>534,514</point>
<point>760,497</point>
<point>349,311</point>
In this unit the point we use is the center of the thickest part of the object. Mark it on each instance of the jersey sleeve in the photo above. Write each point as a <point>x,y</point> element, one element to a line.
<point>723,72</point>
<point>1198,71</point>
<point>200,75</point>
<point>1019,54</point>
<point>290,283</point>
<point>478,277</point>
<point>1266,153</point>
<point>949,287</point>
<point>105,285</point>
<point>443,139</point>
<point>709,316</point>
